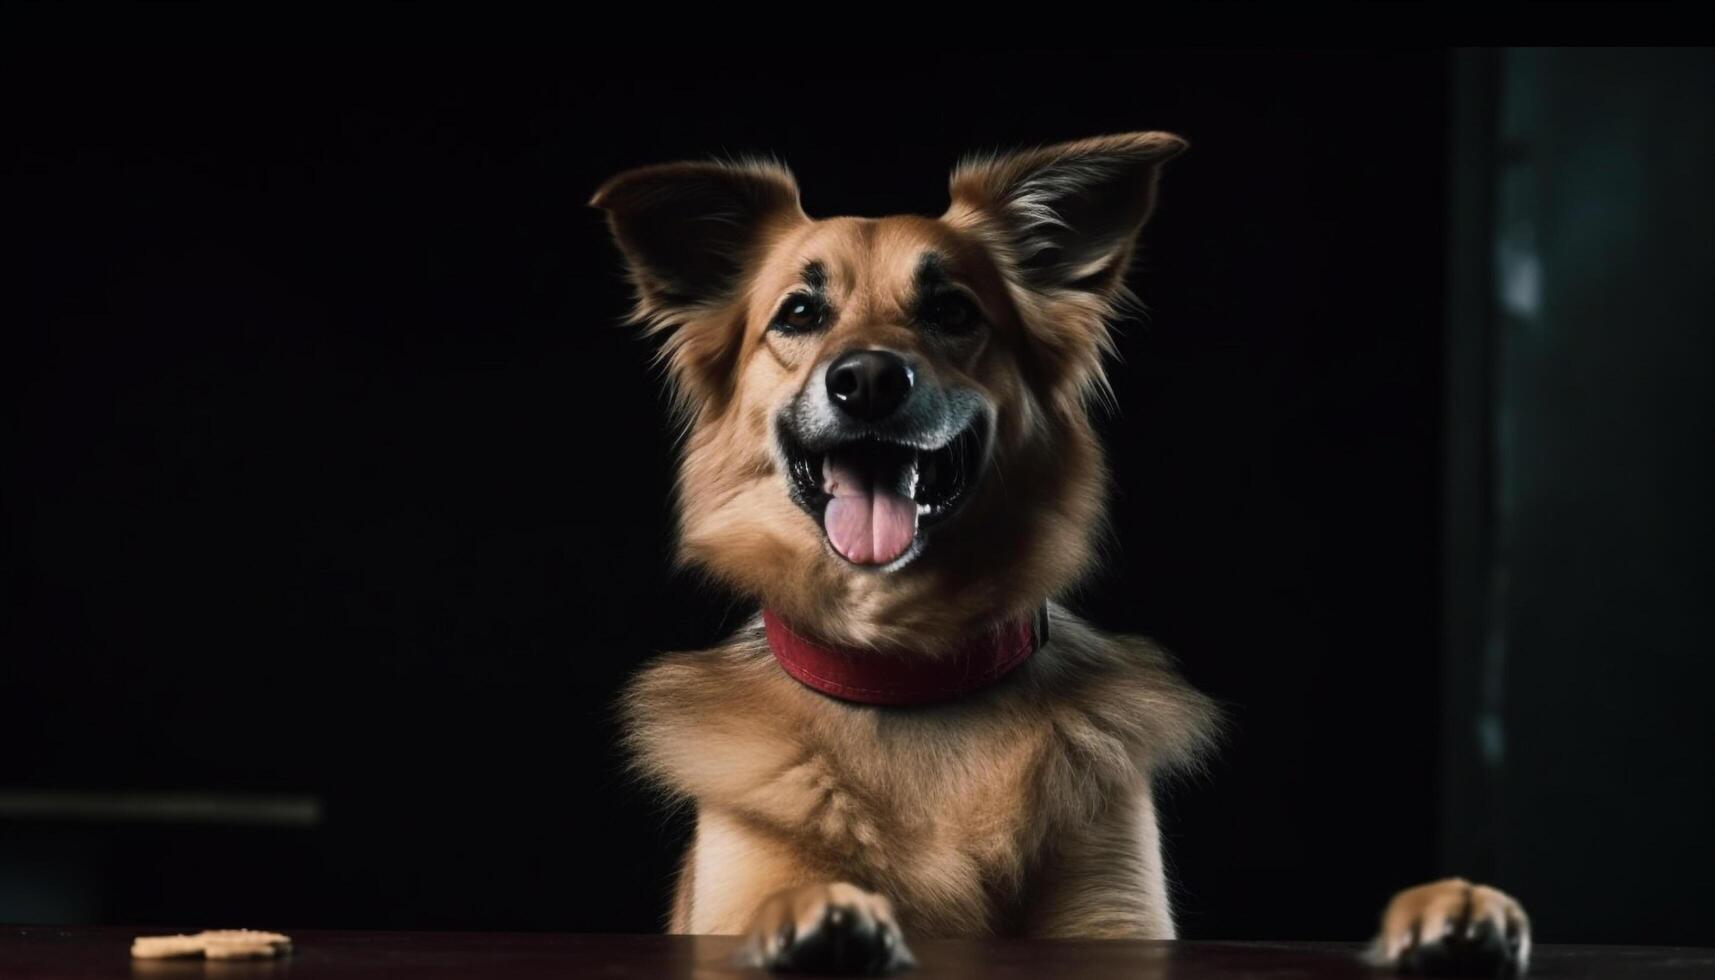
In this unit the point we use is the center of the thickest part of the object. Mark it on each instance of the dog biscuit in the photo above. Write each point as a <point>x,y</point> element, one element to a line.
<point>214,944</point>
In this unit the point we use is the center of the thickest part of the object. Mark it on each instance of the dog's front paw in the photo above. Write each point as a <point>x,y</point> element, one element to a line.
<point>837,928</point>
<point>1453,928</point>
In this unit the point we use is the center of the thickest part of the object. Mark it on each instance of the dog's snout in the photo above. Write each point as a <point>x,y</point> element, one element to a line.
<point>869,385</point>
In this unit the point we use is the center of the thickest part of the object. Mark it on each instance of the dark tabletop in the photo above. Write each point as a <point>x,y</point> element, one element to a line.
<point>63,952</point>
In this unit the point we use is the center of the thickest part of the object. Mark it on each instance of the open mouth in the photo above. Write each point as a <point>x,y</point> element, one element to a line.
<point>874,497</point>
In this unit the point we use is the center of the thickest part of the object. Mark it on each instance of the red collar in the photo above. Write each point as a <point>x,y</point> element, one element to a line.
<point>897,678</point>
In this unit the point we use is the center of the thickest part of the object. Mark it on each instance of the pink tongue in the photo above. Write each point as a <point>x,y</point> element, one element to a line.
<point>868,524</point>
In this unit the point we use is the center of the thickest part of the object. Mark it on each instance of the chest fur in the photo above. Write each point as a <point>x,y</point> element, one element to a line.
<point>948,811</point>
<point>950,836</point>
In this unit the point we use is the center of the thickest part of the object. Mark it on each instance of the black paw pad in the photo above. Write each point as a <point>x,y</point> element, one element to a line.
<point>843,942</point>
<point>1479,951</point>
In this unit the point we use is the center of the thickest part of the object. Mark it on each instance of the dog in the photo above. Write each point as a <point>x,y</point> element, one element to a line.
<point>887,443</point>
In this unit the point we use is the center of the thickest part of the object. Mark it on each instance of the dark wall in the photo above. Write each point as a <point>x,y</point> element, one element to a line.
<point>330,474</point>
<point>1579,717</point>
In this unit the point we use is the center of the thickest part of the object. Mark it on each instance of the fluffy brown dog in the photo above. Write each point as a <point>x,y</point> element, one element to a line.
<point>887,444</point>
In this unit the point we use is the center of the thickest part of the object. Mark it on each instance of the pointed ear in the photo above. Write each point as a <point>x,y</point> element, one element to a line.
<point>690,233</point>
<point>1065,216</point>
<point>690,230</point>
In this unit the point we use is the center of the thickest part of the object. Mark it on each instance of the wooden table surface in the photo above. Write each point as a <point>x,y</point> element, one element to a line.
<point>55,952</point>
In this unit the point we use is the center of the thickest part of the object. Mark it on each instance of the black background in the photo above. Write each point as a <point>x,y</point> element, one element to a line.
<point>333,472</point>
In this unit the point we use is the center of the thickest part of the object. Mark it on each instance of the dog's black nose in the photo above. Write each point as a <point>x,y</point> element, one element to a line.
<point>869,384</point>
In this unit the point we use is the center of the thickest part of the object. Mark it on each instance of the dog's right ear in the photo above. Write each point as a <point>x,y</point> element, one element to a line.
<point>690,233</point>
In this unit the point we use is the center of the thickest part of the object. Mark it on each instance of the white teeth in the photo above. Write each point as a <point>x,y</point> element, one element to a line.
<point>910,482</point>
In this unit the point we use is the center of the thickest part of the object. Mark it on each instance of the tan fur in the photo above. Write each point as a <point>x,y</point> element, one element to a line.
<point>1024,809</point>
<point>738,525</point>
<point>1429,914</point>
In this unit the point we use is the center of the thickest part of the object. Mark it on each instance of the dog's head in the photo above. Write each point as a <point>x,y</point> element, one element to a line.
<point>887,432</point>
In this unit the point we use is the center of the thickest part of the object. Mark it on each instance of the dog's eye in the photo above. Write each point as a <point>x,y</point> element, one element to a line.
<point>952,312</point>
<point>799,313</point>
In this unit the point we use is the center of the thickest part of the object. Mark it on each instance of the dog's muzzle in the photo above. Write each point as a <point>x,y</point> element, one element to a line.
<point>877,458</point>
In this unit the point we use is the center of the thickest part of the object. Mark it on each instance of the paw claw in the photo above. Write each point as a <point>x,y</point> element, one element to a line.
<point>1454,928</point>
<point>828,929</point>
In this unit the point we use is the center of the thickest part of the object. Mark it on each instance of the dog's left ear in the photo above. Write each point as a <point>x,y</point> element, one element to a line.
<point>1065,216</point>
<point>690,233</point>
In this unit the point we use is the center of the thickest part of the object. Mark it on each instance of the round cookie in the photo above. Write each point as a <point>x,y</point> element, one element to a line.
<point>214,944</point>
